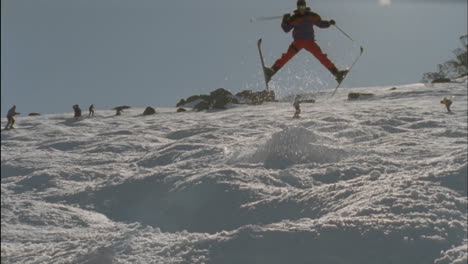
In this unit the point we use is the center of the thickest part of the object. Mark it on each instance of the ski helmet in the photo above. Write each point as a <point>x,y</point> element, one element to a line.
<point>301,3</point>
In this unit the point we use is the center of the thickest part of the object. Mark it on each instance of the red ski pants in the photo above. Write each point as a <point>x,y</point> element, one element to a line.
<point>310,46</point>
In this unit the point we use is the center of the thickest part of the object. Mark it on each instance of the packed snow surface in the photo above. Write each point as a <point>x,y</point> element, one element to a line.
<point>377,180</point>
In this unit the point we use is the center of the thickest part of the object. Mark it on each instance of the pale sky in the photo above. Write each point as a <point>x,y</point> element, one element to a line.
<point>57,53</point>
<point>385,2</point>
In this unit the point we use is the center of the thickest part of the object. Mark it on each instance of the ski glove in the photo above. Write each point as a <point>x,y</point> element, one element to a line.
<point>332,22</point>
<point>286,18</point>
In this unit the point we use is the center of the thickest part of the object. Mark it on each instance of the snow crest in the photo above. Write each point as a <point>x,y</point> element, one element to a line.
<point>294,145</point>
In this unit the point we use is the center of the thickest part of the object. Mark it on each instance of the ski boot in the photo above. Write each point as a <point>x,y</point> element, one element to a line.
<point>269,72</point>
<point>339,75</point>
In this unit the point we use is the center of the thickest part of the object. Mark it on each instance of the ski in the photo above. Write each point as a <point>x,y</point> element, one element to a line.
<point>259,46</point>
<point>349,69</point>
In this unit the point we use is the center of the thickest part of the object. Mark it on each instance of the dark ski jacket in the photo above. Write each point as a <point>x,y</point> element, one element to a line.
<point>12,112</point>
<point>77,110</point>
<point>304,24</point>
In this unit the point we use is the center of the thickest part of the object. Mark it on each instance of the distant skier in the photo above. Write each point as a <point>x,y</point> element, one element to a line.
<point>447,102</point>
<point>10,116</point>
<point>77,110</point>
<point>297,106</point>
<point>303,21</point>
<point>91,110</point>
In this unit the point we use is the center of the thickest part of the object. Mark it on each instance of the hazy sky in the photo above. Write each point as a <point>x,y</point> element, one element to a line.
<point>56,53</point>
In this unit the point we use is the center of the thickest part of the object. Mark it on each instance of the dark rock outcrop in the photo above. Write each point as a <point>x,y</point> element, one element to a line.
<point>356,96</point>
<point>34,114</point>
<point>119,109</point>
<point>149,111</point>
<point>203,105</point>
<point>257,97</point>
<point>441,80</point>
<point>192,99</point>
<point>220,92</point>
<point>181,102</point>
<point>220,98</point>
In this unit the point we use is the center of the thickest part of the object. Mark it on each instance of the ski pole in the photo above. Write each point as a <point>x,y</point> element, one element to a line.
<point>264,18</point>
<point>343,32</point>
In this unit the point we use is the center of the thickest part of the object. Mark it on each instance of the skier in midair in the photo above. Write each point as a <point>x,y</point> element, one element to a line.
<point>302,23</point>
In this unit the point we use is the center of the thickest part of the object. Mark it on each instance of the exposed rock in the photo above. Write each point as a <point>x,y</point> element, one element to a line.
<point>190,100</point>
<point>181,102</point>
<point>198,97</point>
<point>220,102</point>
<point>220,98</point>
<point>355,96</point>
<point>220,92</point>
<point>245,94</point>
<point>441,80</point>
<point>34,114</point>
<point>119,109</point>
<point>393,88</point>
<point>257,97</point>
<point>180,109</point>
<point>217,99</point>
<point>149,111</point>
<point>203,105</point>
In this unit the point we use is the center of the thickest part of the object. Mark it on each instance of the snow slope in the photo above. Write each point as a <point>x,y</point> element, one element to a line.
<point>381,180</point>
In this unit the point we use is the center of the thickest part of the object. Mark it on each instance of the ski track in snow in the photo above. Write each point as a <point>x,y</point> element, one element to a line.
<point>382,180</point>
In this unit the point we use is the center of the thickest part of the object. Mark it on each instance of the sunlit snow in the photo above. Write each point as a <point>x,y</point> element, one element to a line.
<point>380,180</point>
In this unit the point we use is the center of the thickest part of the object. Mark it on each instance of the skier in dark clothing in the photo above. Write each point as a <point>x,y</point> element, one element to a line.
<point>91,110</point>
<point>302,23</point>
<point>297,106</point>
<point>10,116</point>
<point>77,110</point>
